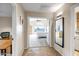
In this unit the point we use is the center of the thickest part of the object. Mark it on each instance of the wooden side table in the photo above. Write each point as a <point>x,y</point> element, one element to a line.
<point>4,44</point>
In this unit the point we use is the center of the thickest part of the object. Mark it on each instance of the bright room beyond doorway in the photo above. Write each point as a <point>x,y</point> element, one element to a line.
<point>38,30</point>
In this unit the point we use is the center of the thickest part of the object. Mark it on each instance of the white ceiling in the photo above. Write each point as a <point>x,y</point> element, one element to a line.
<point>5,9</point>
<point>38,21</point>
<point>41,7</point>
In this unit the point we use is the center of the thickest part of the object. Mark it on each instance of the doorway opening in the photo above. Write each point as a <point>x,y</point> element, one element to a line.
<point>5,29</point>
<point>38,30</point>
<point>76,35</point>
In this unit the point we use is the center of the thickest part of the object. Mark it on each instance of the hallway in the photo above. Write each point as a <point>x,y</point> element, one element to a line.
<point>37,28</point>
<point>41,51</point>
<point>35,41</point>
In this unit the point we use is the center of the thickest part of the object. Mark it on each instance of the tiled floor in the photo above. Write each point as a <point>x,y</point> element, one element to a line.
<point>41,51</point>
<point>34,41</point>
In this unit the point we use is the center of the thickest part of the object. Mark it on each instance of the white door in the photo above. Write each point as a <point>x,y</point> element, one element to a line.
<point>77,43</point>
<point>76,29</point>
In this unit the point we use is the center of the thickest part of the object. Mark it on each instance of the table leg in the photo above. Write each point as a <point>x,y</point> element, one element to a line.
<point>11,49</point>
<point>4,52</point>
<point>1,51</point>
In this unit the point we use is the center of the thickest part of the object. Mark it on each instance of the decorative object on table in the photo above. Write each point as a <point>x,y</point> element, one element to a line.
<point>5,34</point>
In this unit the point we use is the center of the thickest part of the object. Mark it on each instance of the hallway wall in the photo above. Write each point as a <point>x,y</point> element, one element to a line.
<point>67,29</point>
<point>18,30</point>
<point>29,29</point>
<point>37,14</point>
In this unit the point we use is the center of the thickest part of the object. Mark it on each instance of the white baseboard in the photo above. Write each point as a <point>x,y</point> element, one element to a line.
<point>25,48</point>
<point>21,53</point>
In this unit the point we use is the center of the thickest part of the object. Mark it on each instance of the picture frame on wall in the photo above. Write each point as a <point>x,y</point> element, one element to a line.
<point>60,31</point>
<point>21,20</point>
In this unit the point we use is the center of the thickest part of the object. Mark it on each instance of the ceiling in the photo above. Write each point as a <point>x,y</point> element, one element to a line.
<point>41,7</point>
<point>5,9</point>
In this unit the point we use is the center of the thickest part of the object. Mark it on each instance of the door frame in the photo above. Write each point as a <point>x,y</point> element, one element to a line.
<point>50,25</point>
<point>72,34</point>
<point>13,28</point>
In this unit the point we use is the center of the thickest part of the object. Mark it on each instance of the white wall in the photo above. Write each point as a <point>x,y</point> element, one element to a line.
<point>5,24</point>
<point>38,14</point>
<point>67,30</point>
<point>18,30</point>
